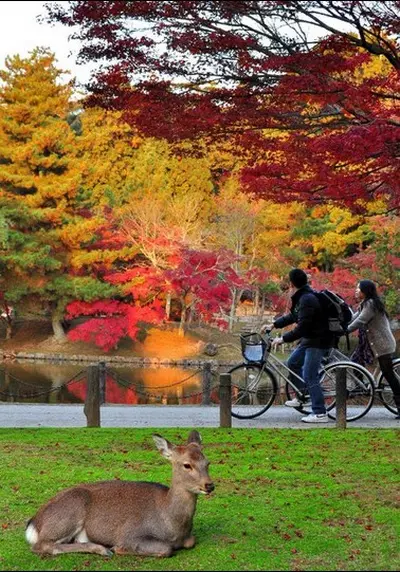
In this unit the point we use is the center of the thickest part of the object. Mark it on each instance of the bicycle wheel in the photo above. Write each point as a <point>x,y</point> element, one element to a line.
<point>384,390</point>
<point>359,389</point>
<point>254,388</point>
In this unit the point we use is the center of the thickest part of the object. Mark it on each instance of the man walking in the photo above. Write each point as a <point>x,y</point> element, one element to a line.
<point>315,340</point>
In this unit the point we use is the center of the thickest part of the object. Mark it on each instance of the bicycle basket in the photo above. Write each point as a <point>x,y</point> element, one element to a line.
<point>254,347</point>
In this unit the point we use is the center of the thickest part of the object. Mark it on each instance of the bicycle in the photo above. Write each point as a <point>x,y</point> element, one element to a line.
<point>255,384</point>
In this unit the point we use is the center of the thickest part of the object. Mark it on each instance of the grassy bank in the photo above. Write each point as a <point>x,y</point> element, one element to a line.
<point>284,499</point>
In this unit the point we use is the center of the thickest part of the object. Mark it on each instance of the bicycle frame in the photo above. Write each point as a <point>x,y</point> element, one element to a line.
<point>276,365</point>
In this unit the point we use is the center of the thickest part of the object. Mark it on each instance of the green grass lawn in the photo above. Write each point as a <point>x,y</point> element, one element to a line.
<point>284,499</point>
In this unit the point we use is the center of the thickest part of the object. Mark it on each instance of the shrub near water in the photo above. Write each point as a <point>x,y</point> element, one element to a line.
<point>284,499</point>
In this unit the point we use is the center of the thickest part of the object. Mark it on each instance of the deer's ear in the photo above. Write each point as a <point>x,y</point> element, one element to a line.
<point>194,437</point>
<point>164,446</point>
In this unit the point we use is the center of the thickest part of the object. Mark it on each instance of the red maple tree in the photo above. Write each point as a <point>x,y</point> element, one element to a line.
<point>251,69</point>
<point>203,283</point>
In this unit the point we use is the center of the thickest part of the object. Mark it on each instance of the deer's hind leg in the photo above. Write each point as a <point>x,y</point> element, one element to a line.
<point>42,545</point>
<point>54,548</point>
<point>59,526</point>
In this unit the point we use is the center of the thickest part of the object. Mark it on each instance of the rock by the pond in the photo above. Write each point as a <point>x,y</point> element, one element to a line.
<point>210,349</point>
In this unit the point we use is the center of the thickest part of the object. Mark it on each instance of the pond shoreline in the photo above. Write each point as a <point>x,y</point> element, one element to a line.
<point>96,359</point>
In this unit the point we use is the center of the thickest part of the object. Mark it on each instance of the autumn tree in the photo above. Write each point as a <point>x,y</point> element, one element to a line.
<point>167,203</point>
<point>202,281</point>
<point>179,188</point>
<point>380,260</point>
<point>129,294</point>
<point>106,147</point>
<point>245,69</point>
<point>328,233</point>
<point>37,181</point>
<point>40,184</point>
<point>235,226</point>
<point>275,239</point>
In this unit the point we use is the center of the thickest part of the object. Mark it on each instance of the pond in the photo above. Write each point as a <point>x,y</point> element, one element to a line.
<point>48,382</point>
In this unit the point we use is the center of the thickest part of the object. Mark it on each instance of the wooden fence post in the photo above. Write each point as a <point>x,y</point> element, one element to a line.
<point>225,391</point>
<point>206,384</point>
<point>92,402</point>
<point>341,394</point>
<point>102,381</point>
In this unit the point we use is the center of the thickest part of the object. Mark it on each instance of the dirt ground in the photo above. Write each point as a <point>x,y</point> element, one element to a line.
<point>163,343</point>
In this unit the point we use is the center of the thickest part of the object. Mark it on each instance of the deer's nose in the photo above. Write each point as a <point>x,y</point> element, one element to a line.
<point>209,487</point>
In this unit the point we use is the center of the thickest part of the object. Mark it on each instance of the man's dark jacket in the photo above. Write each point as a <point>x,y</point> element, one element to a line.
<point>311,325</point>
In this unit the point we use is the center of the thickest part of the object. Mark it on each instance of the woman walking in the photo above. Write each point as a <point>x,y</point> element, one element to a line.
<point>376,339</point>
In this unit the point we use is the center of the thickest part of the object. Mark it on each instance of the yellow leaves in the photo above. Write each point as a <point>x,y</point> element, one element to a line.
<point>275,216</point>
<point>32,90</point>
<point>340,229</point>
<point>330,242</point>
<point>35,139</point>
<point>79,258</point>
<point>108,156</point>
<point>343,219</point>
<point>136,141</point>
<point>376,207</point>
<point>232,204</point>
<point>76,234</point>
<point>320,211</point>
<point>53,191</point>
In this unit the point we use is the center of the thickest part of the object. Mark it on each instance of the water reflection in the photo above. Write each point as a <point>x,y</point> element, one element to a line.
<point>44,382</point>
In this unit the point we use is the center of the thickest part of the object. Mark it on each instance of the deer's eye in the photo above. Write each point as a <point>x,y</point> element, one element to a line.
<point>187,466</point>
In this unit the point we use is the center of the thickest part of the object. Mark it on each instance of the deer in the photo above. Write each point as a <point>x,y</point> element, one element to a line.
<point>127,517</point>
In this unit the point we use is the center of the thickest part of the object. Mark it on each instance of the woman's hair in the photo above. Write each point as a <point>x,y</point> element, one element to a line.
<point>368,288</point>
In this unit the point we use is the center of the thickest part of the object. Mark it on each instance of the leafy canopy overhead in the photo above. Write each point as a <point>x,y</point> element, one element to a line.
<point>247,70</point>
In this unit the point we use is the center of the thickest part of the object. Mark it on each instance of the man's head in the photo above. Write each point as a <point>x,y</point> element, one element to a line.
<point>298,278</point>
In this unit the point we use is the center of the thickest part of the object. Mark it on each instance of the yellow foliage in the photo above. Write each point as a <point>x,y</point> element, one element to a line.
<point>79,232</point>
<point>80,258</point>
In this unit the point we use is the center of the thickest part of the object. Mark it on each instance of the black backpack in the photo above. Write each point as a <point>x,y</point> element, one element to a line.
<point>337,312</point>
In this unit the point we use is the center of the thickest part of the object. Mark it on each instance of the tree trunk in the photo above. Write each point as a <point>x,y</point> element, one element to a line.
<point>58,330</point>
<point>232,314</point>
<point>8,331</point>
<point>182,323</point>
<point>168,306</point>
<point>262,304</point>
<point>190,319</point>
<point>256,302</point>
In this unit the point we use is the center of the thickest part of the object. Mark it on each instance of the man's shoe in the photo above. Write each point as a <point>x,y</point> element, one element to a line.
<point>296,402</point>
<point>316,418</point>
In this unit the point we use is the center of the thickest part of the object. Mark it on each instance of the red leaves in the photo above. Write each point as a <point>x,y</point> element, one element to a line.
<point>113,320</point>
<point>104,332</point>
<point>203,280</point>
<point>341,280</point>
<point>339,122</point>
<point>101,308</point>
